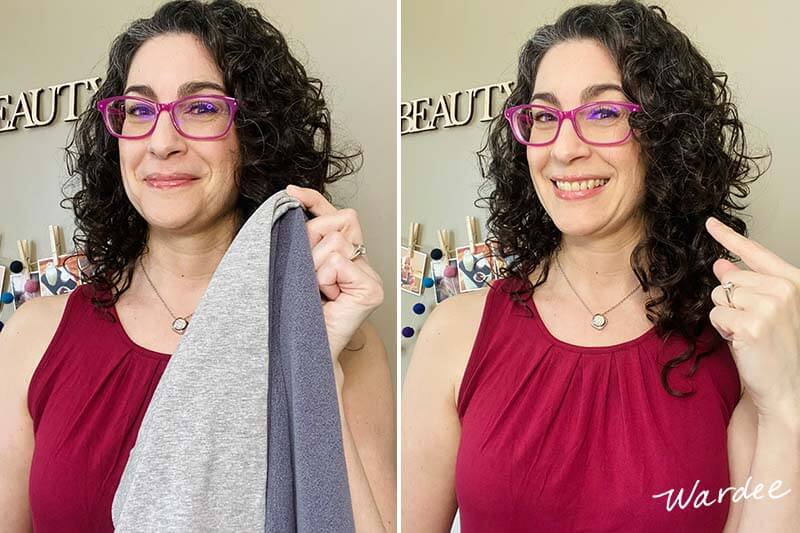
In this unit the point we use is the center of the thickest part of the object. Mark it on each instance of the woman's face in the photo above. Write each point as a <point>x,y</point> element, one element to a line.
<point>159,68</point>
<point>565,72</point>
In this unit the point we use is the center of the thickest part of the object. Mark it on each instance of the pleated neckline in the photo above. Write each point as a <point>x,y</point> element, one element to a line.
<point>641,339</point>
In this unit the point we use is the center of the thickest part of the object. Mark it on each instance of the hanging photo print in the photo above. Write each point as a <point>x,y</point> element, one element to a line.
<point>475,267</point>
<point>59,277</point>
<point>475,261</point>
<point>412,268</point>
<point>445,277</point>
<point>24,287</point>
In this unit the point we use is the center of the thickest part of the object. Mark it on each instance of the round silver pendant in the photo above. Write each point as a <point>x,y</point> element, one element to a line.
<point>179,325</point>
<point>599,321</point>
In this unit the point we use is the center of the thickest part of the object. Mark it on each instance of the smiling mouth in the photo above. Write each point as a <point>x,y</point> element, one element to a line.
<point>582,185</point>
<point>169,183</point>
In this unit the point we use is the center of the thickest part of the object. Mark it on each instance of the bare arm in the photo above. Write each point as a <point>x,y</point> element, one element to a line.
<point>777,458</point>
<point>430,427</point>
<point>767,450</point>
<point>366,408</point>
<point>22,343</point>
<point>741,446</point>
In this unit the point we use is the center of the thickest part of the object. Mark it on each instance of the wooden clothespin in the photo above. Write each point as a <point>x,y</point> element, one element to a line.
<point>55,242</point>
<point>24,254</point>
<point>413,236</point>
<point>472,232</point>
<point>444,244</point>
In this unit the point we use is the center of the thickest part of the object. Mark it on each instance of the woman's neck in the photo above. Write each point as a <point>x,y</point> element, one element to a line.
<point>180,267</point>
<point>598,269</point>
<point>594,262</point>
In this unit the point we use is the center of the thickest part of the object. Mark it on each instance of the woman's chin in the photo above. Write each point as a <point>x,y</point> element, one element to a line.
<point>573,229</point>
<point>171,222</point>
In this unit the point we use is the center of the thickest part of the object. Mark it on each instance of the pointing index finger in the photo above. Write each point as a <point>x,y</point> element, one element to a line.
<point>755,255</point>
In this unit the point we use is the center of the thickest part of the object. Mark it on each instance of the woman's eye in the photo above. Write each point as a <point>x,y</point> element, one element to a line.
<point>202,108</point>
<point>140,111</point>
<point>604,112</point>
<point>543,116</point>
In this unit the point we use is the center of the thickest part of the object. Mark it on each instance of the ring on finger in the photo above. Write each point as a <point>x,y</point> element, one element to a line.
<point>358,251</point>
<point>729,287</point>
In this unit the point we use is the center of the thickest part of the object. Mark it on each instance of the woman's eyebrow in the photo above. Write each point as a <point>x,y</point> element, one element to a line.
<point>588,93</point>
<point>190,87</point>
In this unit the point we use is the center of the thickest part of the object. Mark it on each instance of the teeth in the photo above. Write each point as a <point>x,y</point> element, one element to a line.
<point>580,185</point>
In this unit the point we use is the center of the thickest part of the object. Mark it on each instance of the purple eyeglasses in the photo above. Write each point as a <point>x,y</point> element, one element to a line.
<point>200,117</point>
<point>595,123</point>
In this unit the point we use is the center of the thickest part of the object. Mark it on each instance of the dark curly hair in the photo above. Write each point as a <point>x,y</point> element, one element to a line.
<point>694,147</point>
<point>283,127</point>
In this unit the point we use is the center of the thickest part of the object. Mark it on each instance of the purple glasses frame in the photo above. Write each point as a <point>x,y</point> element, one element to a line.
<point>104,104</point>
<point>571,114</point>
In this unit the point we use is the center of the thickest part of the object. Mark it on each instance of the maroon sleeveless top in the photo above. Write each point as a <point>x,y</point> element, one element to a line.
<point>87,398</point>
<point>559,437</point>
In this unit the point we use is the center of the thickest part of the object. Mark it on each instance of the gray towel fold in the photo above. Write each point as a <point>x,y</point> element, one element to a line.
<point>307,487</point>
<point>229,443</point>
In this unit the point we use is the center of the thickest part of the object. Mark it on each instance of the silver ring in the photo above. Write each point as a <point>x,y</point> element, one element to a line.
<point>359,250</point>
<point>729,286</point>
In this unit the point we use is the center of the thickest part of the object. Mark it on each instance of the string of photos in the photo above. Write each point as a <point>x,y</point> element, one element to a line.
<point>452,271</point>
<point>29,278</point>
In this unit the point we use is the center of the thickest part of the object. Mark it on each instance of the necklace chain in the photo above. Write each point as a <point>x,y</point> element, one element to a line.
<point>179,323</point>
<point>598,319</point>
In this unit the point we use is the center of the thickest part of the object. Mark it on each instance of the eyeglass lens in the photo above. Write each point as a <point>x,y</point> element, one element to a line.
<point>601,123</point>
<point>198,117</point>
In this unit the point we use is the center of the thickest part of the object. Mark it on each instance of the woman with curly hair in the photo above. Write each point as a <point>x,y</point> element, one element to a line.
<point>160,197</point>
<point>591,388</point>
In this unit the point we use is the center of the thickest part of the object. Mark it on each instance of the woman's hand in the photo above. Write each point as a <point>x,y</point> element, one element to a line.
<point>352,289</point>
<point>762,322</point>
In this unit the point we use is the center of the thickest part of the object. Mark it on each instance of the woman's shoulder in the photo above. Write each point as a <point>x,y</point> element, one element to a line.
<point>464,314</point>
<point>36,321</point>
<point>459,315</point>
<point>446,338</point>
<point>27,335</point>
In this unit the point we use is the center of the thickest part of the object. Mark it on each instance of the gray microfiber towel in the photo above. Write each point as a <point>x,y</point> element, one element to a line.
<point>307,487</point>
<point>243,431</point>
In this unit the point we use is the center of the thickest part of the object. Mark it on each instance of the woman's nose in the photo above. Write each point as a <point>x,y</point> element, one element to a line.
<point>165,139</point>
<point>568,145</point>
